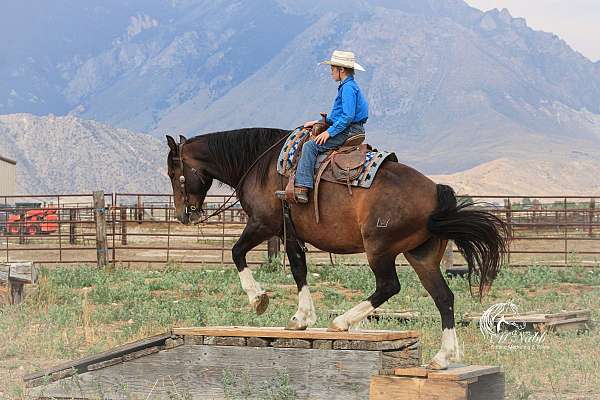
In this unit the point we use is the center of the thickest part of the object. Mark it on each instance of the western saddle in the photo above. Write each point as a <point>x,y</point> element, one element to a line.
<point>342,165</point>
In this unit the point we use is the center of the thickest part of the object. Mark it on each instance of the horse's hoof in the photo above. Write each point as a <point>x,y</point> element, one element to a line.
<point>333,327</point>
<point>437,365</point>
<point>295,325</point>
<point>260,303</point>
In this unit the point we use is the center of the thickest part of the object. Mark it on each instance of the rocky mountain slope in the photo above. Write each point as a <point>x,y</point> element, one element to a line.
<point>450,88</point>
<point>71,155</point>
<point>574,174</point>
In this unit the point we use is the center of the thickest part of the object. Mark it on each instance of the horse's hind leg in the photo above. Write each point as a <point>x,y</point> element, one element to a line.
<point>305,316</point>
<point>386,285</point>
<point>425,260</point>
<point>254,233</point>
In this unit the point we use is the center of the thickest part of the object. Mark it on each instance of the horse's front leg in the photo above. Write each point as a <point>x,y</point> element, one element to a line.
<point>305,316</point>
<point>254,233</point>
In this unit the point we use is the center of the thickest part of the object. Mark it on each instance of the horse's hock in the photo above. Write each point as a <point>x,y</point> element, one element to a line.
<point>224,362</point>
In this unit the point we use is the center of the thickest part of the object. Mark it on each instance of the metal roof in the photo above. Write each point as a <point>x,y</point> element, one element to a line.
<point>8,160</point>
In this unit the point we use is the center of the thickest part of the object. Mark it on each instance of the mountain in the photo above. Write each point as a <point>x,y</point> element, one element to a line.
<point>569,173</point>
<point>69,155</point>
<point>450,87</point>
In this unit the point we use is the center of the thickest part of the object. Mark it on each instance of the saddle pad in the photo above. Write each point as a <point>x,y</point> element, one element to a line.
<point>373,159</point>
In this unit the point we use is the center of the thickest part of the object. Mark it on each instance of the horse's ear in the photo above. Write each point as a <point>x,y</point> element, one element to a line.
<point>172,144</point>
<point>182,139</point>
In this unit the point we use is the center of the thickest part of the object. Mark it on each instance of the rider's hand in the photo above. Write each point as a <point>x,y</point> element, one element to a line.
<point>308,124</point>
<point>322,138</point>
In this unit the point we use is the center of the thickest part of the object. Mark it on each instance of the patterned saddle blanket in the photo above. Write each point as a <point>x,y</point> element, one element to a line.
<point>373,159</point>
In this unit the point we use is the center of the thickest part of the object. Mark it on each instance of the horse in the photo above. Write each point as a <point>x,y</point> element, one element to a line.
<point>419,217</point>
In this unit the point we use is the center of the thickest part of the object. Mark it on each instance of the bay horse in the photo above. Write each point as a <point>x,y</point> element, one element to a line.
<point>402,212</point>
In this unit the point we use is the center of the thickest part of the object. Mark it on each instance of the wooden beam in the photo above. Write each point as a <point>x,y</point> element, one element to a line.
<point>313,333</point>
<point>100,218</point>
<point>456,372</point>
<point>24,272</point>
<point>463,372</point>
<point>82,364</point>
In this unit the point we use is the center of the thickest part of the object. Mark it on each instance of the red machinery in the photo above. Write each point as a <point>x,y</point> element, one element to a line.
<point>33,222</point>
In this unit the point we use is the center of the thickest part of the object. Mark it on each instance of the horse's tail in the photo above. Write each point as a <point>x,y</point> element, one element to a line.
<point>480,236</point>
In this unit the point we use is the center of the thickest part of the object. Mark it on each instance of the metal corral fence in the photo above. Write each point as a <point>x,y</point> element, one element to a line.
<point>131,228</point>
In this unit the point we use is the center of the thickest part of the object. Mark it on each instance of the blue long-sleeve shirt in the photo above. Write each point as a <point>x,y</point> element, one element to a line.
<point>349,106</point>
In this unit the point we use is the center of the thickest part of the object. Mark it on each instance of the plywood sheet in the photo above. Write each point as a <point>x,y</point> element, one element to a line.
<point>314,333</point>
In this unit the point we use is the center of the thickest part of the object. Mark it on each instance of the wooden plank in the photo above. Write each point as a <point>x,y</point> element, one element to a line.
<point>572,324</point>
<point>569,314</point>
<point>24,272</point>
<point>209,372</point>
<point>408,357</point>
<point>416,385</point>
<point>193,340</point>
<point>224,341</point>
<point>367,345</point>
<point>81,364</point>
<point>4,272</point>
<point>413,372</point>
<point>402,388</point>
<point>459,373</point>
<point>256,342</point>
<point>309,334</point>
<point>456,372</point>
<point>322,344</point>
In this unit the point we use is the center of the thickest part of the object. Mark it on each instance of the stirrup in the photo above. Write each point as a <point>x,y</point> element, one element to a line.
<point>299,196</point>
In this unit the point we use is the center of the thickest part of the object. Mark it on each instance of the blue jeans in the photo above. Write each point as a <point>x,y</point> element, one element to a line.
<point>310,151</point>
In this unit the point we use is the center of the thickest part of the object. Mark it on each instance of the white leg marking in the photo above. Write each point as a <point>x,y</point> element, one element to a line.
<point>305,316</point>
<point>449,351</point>
<point>352,316</point>
<point>250,286</point>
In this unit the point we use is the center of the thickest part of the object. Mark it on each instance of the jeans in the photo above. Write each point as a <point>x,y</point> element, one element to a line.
<point>310,151</point>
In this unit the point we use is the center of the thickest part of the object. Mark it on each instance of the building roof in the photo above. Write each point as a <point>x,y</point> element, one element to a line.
<point>8,160</point>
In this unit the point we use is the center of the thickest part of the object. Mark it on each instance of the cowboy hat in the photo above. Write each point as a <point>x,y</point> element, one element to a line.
<point>343,59</point>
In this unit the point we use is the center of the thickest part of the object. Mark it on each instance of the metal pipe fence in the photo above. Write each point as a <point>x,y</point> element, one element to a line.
<point>142,229</point>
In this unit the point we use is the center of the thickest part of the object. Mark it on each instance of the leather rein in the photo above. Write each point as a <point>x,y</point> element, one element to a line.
<point>236,190</point>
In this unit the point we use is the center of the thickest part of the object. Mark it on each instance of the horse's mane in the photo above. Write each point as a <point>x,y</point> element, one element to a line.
<point>235,151</point>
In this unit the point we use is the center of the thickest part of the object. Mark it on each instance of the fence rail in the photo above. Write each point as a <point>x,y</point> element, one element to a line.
<point>134,228</point>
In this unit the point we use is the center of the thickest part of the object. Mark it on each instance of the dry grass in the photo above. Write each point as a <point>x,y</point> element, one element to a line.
<point>76,311</point>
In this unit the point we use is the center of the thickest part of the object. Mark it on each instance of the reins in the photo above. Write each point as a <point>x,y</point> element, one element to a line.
<point>236,190</point>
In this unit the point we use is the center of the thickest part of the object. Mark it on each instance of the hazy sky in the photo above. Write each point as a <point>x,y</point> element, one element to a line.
<point>577,22</point>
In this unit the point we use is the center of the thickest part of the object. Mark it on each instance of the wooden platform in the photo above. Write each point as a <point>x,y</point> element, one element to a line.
<point>13,276</point>
<point>459,382</point>
<point>208,362</point>
<point>555,322</point>
<point>369,335</point>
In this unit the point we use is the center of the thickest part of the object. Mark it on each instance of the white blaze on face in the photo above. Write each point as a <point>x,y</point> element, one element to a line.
<point>250,286</point>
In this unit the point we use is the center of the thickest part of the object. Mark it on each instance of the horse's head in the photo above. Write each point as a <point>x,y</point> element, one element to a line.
<point>190,179</point>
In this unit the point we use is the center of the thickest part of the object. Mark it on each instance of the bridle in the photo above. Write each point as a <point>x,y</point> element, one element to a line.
<point>196,207</point>
<point>193,207</point>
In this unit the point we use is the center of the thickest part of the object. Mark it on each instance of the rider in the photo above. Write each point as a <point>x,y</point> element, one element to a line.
<point>348,114</point>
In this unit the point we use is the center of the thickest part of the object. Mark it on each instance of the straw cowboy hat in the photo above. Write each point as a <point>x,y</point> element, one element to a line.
<point>344,59</point>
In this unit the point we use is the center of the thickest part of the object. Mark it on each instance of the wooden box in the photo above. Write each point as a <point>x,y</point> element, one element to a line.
<point>459,382</point>
<point>233,362</point>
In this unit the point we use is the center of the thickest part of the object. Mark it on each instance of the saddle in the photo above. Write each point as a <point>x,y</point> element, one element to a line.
<point>342,165</point>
